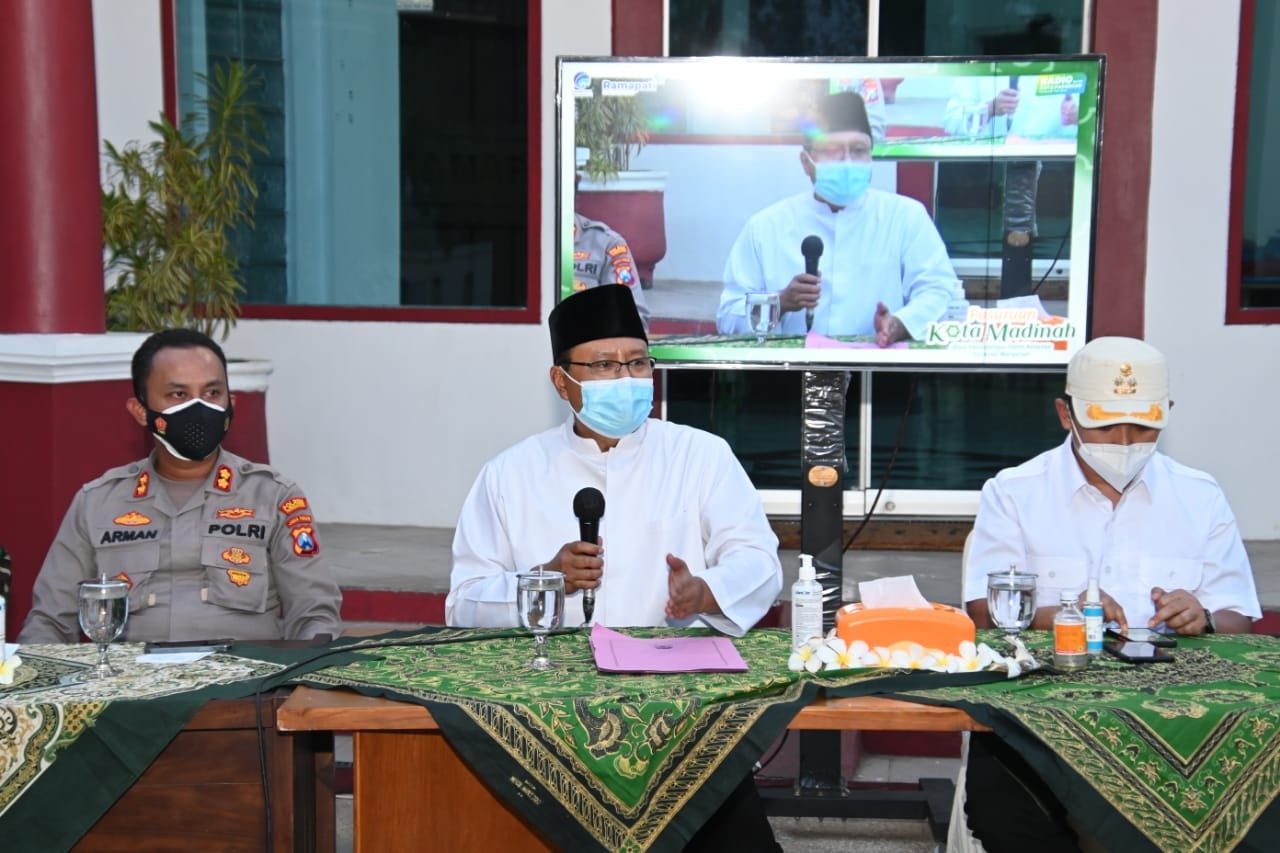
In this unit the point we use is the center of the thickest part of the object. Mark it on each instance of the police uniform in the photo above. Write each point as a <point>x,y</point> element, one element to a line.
<point>602,256</point>
<point>239,559</point>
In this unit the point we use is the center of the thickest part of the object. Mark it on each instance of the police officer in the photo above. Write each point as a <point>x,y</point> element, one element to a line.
<point>601,256</point>
<point>211,545</point>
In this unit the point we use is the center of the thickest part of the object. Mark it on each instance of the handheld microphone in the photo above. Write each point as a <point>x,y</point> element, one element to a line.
<point>588,506</point>
<point>811,248</point>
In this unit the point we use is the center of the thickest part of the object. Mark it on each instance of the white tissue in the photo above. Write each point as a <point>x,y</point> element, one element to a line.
<point>892,592</point>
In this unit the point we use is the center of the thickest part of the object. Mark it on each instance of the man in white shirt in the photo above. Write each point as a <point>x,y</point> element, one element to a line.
<point>1158,536</point>
<point>883,269</point>
<point>1105,504</point>
<point>683,539</point>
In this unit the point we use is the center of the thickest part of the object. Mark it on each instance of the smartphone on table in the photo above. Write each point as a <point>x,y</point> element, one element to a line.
<point>1144,635</point>
<point>1133,652</point>
<point>187,647</point>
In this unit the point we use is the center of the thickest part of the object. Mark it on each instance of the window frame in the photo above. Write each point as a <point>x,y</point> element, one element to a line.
<point>530,313</point>
<point>1236,313</point>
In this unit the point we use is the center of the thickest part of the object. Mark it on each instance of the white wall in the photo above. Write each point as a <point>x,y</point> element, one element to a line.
<point>389,423</point>
<point>126,45</point>
<point>1223,376</point>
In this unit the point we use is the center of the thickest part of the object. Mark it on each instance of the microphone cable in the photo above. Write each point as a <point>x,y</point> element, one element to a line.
<point>888,470</point>
<point>1062,244</point>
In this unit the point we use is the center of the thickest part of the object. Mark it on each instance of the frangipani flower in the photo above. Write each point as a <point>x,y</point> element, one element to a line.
<point>833,653</point>
<point>838,656</point>
<point>9,668</point>
<point>806,656</point>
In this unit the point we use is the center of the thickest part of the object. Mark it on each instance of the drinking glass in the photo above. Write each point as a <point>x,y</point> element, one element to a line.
<point>975,119</point>
<point>763,312</point>
<point>1011,601</point>
<point>104,609</point>
<point>540,600</point>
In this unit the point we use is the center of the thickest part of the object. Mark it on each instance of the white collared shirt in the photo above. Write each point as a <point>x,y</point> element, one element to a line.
<point>1172,528</point>
<point>668,488</point>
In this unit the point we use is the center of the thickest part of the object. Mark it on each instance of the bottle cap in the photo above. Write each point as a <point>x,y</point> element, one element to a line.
<point>1092,593</point>
<point>1068,597</point>
<point>807,572</point>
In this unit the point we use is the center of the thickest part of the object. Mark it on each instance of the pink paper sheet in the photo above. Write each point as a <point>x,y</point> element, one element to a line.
<point>615,652</point>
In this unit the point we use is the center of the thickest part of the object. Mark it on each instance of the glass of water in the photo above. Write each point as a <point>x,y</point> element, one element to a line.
<point>104,609</point>
<point>1011,601</point>
<point>540,602</point>
<point>763,313</point>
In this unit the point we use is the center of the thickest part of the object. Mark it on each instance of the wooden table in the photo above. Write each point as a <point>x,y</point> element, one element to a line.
<point>410,784</point>
<point>204,791</point>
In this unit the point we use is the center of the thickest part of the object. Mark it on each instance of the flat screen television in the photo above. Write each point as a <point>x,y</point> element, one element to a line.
<point>976,231</point>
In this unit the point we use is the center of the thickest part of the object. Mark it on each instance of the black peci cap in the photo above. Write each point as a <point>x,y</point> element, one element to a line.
<point>607,311</point>
<point>843,111</point>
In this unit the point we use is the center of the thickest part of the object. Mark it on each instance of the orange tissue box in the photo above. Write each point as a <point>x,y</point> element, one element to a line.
<point>942,627</point>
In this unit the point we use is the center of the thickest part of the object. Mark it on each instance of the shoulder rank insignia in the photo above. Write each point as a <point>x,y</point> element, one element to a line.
<point>292,505</point>
<point>222,480</point>
<point>132,519</point>
<point>304,541</point>
<point>235,512</point>
<point>239,577</point>
<point>140,487</point>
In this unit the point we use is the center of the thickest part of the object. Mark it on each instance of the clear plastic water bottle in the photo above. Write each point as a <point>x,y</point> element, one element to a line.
<point>1070,645</point>
<point>806,604</point>
<point>1093,618</point>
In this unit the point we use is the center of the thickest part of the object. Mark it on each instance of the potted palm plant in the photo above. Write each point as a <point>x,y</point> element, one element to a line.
<point>171,209</point>
<point>613,129</point>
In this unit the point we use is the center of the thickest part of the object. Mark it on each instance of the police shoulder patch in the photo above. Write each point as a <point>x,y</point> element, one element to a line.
<point>304,541</point>
<point>222,480</point>
<point>293,504</point>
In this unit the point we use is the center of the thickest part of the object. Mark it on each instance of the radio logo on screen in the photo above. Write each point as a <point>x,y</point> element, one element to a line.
<point>581,81</point>
<point>1060,84</point>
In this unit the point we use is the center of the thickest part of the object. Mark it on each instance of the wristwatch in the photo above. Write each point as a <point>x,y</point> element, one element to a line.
<point>1209,627</point>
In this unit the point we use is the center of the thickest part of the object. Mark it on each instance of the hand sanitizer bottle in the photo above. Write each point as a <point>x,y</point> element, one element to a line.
<point>1093,618</point>
<point>806,604</point>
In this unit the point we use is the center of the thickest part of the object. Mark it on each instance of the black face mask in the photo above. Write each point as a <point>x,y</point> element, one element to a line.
<point>192,430</point>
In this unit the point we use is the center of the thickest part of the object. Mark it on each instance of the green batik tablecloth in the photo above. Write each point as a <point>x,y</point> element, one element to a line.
<point>69,750</point>
<point>599,760</point>
<point>1181,756</point>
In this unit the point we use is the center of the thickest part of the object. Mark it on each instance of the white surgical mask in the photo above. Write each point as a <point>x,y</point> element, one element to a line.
<point>1118,464</point>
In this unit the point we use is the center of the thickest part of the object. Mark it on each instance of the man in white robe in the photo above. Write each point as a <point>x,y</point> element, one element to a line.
<point>882,267</point>
<point>683,539</point>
